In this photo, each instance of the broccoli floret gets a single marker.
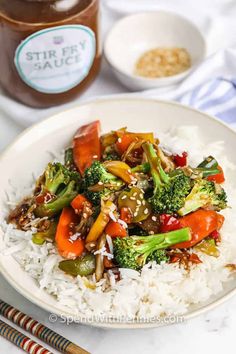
(159, 256)
(55, 189)
(111, 156)
(99, 184)
(204, 193)
(69, 160)
(169, 190)
(135, 251)
(143, 168)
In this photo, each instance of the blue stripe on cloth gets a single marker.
(228, 116)
(216, 93)
(223, 99)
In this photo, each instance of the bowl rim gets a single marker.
(158, 80)
(50, 308)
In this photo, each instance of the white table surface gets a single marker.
(212, 332)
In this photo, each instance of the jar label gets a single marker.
(56, 59)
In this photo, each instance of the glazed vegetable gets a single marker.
(55, 189)
(169, 191)
(115, 229)
(48, 235)
(208, 163)
(125, 139)
(211, 169)
(86, 146)
(111, 156)
(83, 266)
(99, 258)
(68, 247)
(135, 251)
(169, 223)
(99, 183)
(218, 177)
(134, 201)
(204, 194)
(144, 168)
(78, 203)
(69, 160)
(181, 160)
(208, 247)
(202, 223)
(101, 222)
(119, 169)
(126, 215)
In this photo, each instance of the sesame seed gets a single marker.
(132, 198)
(154, 218)
(124, 197)
(141, 196)
(100, 183)
(143, 202)
(135, 193)
(119, 140)
(95, 156)
(135, 214)
(146, 211)
(139, 202)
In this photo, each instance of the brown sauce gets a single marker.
(23, 18)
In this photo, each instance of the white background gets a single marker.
(213, 332)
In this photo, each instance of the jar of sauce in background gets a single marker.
(49, 49)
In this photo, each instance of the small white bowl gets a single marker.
(133, 35)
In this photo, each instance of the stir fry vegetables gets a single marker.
(55, 189)
(99, 184)
(86, 146)
(135, 251)
(169, 191)
(119, 201)
(204, 193)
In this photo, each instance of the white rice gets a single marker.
(158, 289)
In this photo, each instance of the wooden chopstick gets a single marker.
(40, 331)
(20, 340)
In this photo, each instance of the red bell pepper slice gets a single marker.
(181, 160)
(115, 229)
(126, 215)
(86, 146)
(78, 203)
(169, 223)
(219, 177)
(202, 223)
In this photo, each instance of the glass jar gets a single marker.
(49, 49)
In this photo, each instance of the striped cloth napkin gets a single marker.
(216, 97)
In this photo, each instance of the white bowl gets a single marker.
(133, 35)
(30, 153)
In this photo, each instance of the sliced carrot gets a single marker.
(124, 142)
(68, 249)
(86, 146)
(78, 203)
(115, 229)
